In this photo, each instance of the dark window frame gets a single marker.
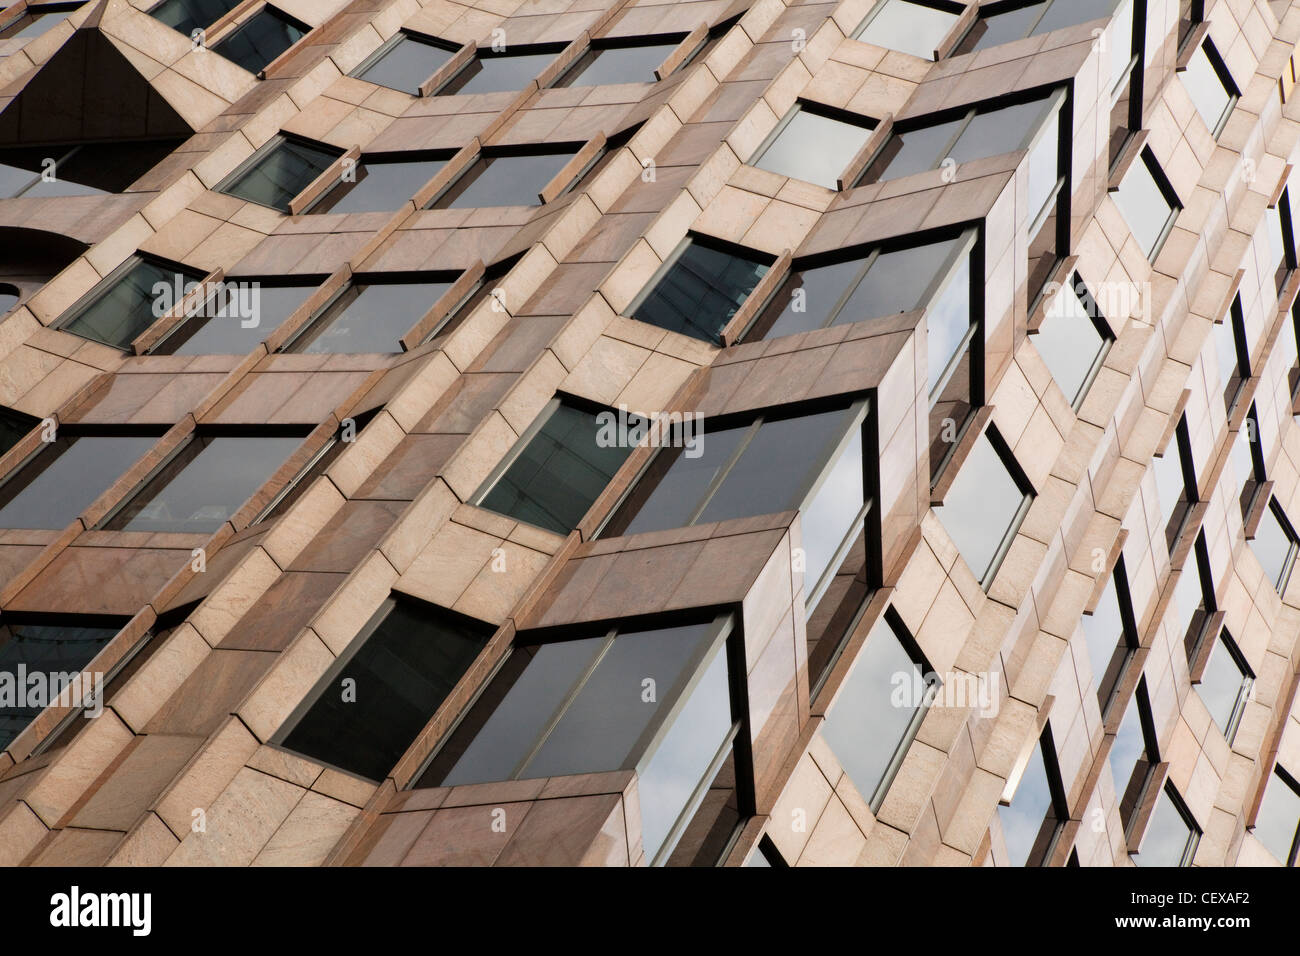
(105, 286)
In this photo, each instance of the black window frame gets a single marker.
(105, 286)
(265, 10)
(1285, 779)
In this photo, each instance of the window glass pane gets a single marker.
(1069, 343)
(621, 64)
(997, 131)
(190, 15)
(205, 484)
(1276, 249)
(262, 309)
(1222, 685)
(1205, 87)
(1023, 819)
(79, 169)
(131, 304)
(809, 299)
(873, 711)
(813, 148)
(281, 174)
(916, 150)
(399, 677)
(601, 726)
(1225, 347)
(14, 426)
(372, 317)
(677, 767)
(948, 321)
(488, 73)
(777, 468)
(679, 492)
(380, 186)
(911, 27)
(899, 280)
(829, 516)
(261, 39)
(50, 649)
(1121, 42)
(1144, 206)
(1128, 747)
(1067, 13)
(513, 711)
(1042, 167)
(504, 181)
(700, 292)
(1170, 483)
(1005, 26)
(1278, 818)
(33, 24)
(1102, 631)
(1166, 836)
(981, 506)
(406, 64)
(557, 476)
(63, 481)
(1243, 465)
(1188, 596)
(1274, 549)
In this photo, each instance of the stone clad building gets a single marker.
(619, 432)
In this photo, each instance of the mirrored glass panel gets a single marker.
(699, 290)
(279, 174)
(261, 38)
(1278, 821)
(66, 477)
(915, 28)
(1144, 205)
(1071, 341)
(1224, 685)
(406, 64)
(129, 302)
(1170, 838)
(1204, 80)
(239, 316)
(498, 72)
(371, 317)
(982, 508)
(509, 180)
(381, 185)
(620, 64)
(813, 147)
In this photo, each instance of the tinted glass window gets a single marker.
(700, 291)
(261, 39)
(237, 318)
(875, 710)
(1279, 817)
(947, 322)
(1223, 686)
(85, 169)
(559, 472)
(911, 27)
(1023, 819)
(406, 64)
(381, 185)
(981, 507)
(621, 64)
(63, 480)
(33, 24)
(204, 484)
(371, 317)
(1129, 746)
(813, 148)
(1167, 835)
(504, 181)
(1003, 27)
(130, 304)
(9, 296)
(367, 714)
(1205, 86)
(497, 73)
(14, 426)
(997, 131)
(190, 15)
(289, 168)
(1144, 206)
(1070, 343)
(58, 651)
(914, 150)
(1275, 547)
(1103, 629)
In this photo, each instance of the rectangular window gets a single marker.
(1176, 487)
(507, 71)
(1148, 204)
(811, 462)
(1171, 835)
(912, 27)
(56, 646)
(621, 61)
(1133, 754)
(1073, 340)
(1280, 229)
(985, 506)
(877, 712)
(1194, 600)
(1275, 544)
(1225, 684)
(37, 20)
(558, 468)
(261, 38)
(364, 713)
(279, 171)
(79, 169)
(14, 426)
(812, 145)
(1277, 825)
(1233, 352)
(1031, 819)
(1000, 23)
(129, 300)
(203, 483)
(1110, 633)
(380, 183)
(404, 62)
(371, 314)
(241, 313)
(1246, 453)
(59, 481)
(700, 286)
(187, 16)
(563, 707)
(1210, 86)
(506, 178)
(984, 130)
